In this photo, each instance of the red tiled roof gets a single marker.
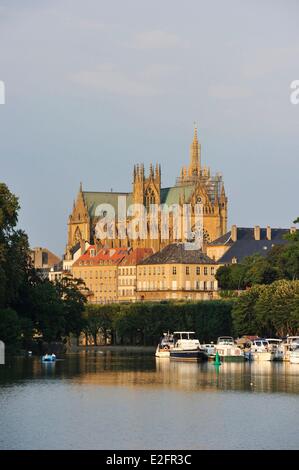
(136, 256)
(103, 256)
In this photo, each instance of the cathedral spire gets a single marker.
(194, 167)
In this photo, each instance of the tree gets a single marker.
(10, 331)
(72, 293)
(243, 312)
(99, 319)
(9, 206)
(47, 311)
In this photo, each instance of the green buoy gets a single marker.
(217, 361)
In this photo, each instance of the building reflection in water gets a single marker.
(144, 370)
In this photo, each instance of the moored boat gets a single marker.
(290, 344)
(187, 347)
(210, 350)
(261, 350)
(165, 345)
(275, 345)
(294, 356)
(228, 350)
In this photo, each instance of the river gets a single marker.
(112, 400)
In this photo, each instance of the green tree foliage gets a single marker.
(37, 307)
(282, 262)
(72, 292)
(99, 320)
(143, 323)
(271, 310)
(10, 329)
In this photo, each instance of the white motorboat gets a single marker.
(165, 345)
(261, 350)
(294, 356)
(290, 344)
(275, 345)
(228, 350)
(210, 350)
(186, 347)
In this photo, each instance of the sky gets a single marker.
(92, 87)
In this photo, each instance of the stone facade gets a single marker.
(127, 274)
(195, 185)
(177, 274)
(98, 270)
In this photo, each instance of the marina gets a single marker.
(182, 345)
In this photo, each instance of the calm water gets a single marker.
(134, 401)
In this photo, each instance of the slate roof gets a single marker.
(168, 196)
(247, 233)
(94, 199)
(176, 253)
(246, 245)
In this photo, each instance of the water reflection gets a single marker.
(144, 370)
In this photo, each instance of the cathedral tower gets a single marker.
(195, 150)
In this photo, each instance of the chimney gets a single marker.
(234, 233)
(257, 232)
(269, 234)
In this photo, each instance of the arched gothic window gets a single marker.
(149, 198)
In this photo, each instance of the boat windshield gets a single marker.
(184, 335)
(225, 340)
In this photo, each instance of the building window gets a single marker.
(212, 270)
(204, 285)
(174, 270)
(205, 270)
(197, 270)
(187, 270)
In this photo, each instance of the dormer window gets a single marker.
(92, 252)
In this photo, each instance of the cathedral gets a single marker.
(195, 185)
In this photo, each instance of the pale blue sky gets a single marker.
(94, 86)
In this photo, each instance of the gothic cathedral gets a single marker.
(195, 184)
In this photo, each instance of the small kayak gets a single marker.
(49, 358)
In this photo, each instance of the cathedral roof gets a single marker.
(172, 195)
(176, 253)
(94, 199)
(168, 196)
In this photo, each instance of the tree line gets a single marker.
(282, 262)
(29, 306)
(269, 303)
(144, 323)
